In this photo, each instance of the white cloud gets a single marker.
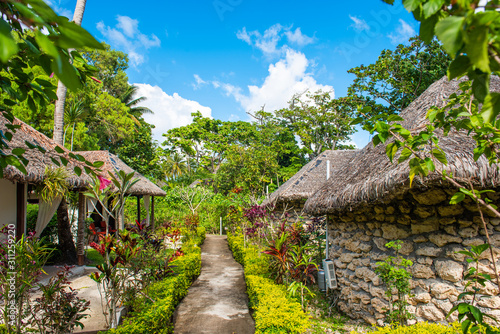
(298, 38)
(198, 82)
(403, 33)
(127, 37)
(359, 24)
(170, 111)
(269, 41)
(286, 77)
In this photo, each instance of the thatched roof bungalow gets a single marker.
(369, 202)
(14, 184)
(144, 188)
(295, 191)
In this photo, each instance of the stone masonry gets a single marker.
(433, 231)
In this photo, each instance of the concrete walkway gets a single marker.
(216, 302)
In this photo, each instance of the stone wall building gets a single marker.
(369, 202)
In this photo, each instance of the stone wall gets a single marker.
(433, 231)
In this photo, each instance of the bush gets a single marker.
(152, 314)
(419, 328)
(275, 312)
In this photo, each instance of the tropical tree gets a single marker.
(61, 87)
(175, 165)
(73, 115)
(398, 76)
(135, 111)
(321, 122)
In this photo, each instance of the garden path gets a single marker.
(217, 301)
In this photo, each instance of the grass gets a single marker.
(94, 256)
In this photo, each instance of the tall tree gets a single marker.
(321, 122)
(398, 76)
(61, 87)
(63, 224)
(132, 102)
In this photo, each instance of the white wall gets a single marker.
(8, 207)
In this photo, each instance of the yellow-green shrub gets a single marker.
(274, 312)
(419, 328)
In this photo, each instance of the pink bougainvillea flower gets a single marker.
(103, 183)
(51, 75)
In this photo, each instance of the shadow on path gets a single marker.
(216, 302)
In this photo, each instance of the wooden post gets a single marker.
(80, 237)
(153, 212)
(138, 209)
(21, 201)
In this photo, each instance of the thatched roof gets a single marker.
(310, 178)
(370, 177)
(112, 163)
(37, 160)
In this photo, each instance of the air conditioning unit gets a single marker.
(330, 277)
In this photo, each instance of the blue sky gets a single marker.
(229, 57)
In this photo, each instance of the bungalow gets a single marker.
(369, 202)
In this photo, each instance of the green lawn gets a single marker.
(94, 256)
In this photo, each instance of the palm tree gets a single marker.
(61, 88)
(73, 115)
(63, 225)
(135, 111)
(175, 166)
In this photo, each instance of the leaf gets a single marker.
(440, 155)
(64, 161)
(432, 6)
(394, 118)
(457, 198)
(481, 86)
(405, 154)
(55, 162)
(491, 107)
(458, 67)
(74, 36)
(18, 151)
(67, 74)
(477, 48)
(449, 32)
(46, 44)
(98, 164)
(77, 170)
(391, 150)
(427, 27)
(411, 5)
(9, 45)
(59, 149)
(478, 315)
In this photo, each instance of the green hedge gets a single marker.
(274, 312)
(155, 318)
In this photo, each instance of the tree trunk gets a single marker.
(66, 244)
(59, 114)
(79, 10)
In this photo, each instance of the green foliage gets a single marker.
(153, 310)
(398, 77)
(54, 184)
(274, 312)
(394, 273)
(321, 122)
(418, 328)
(26, 53)
(49, 233)
(471, 316)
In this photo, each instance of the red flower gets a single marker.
(103, 183)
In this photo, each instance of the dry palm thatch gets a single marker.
(37, 160)
(112, 163)
(310, 178)
(370, 177)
